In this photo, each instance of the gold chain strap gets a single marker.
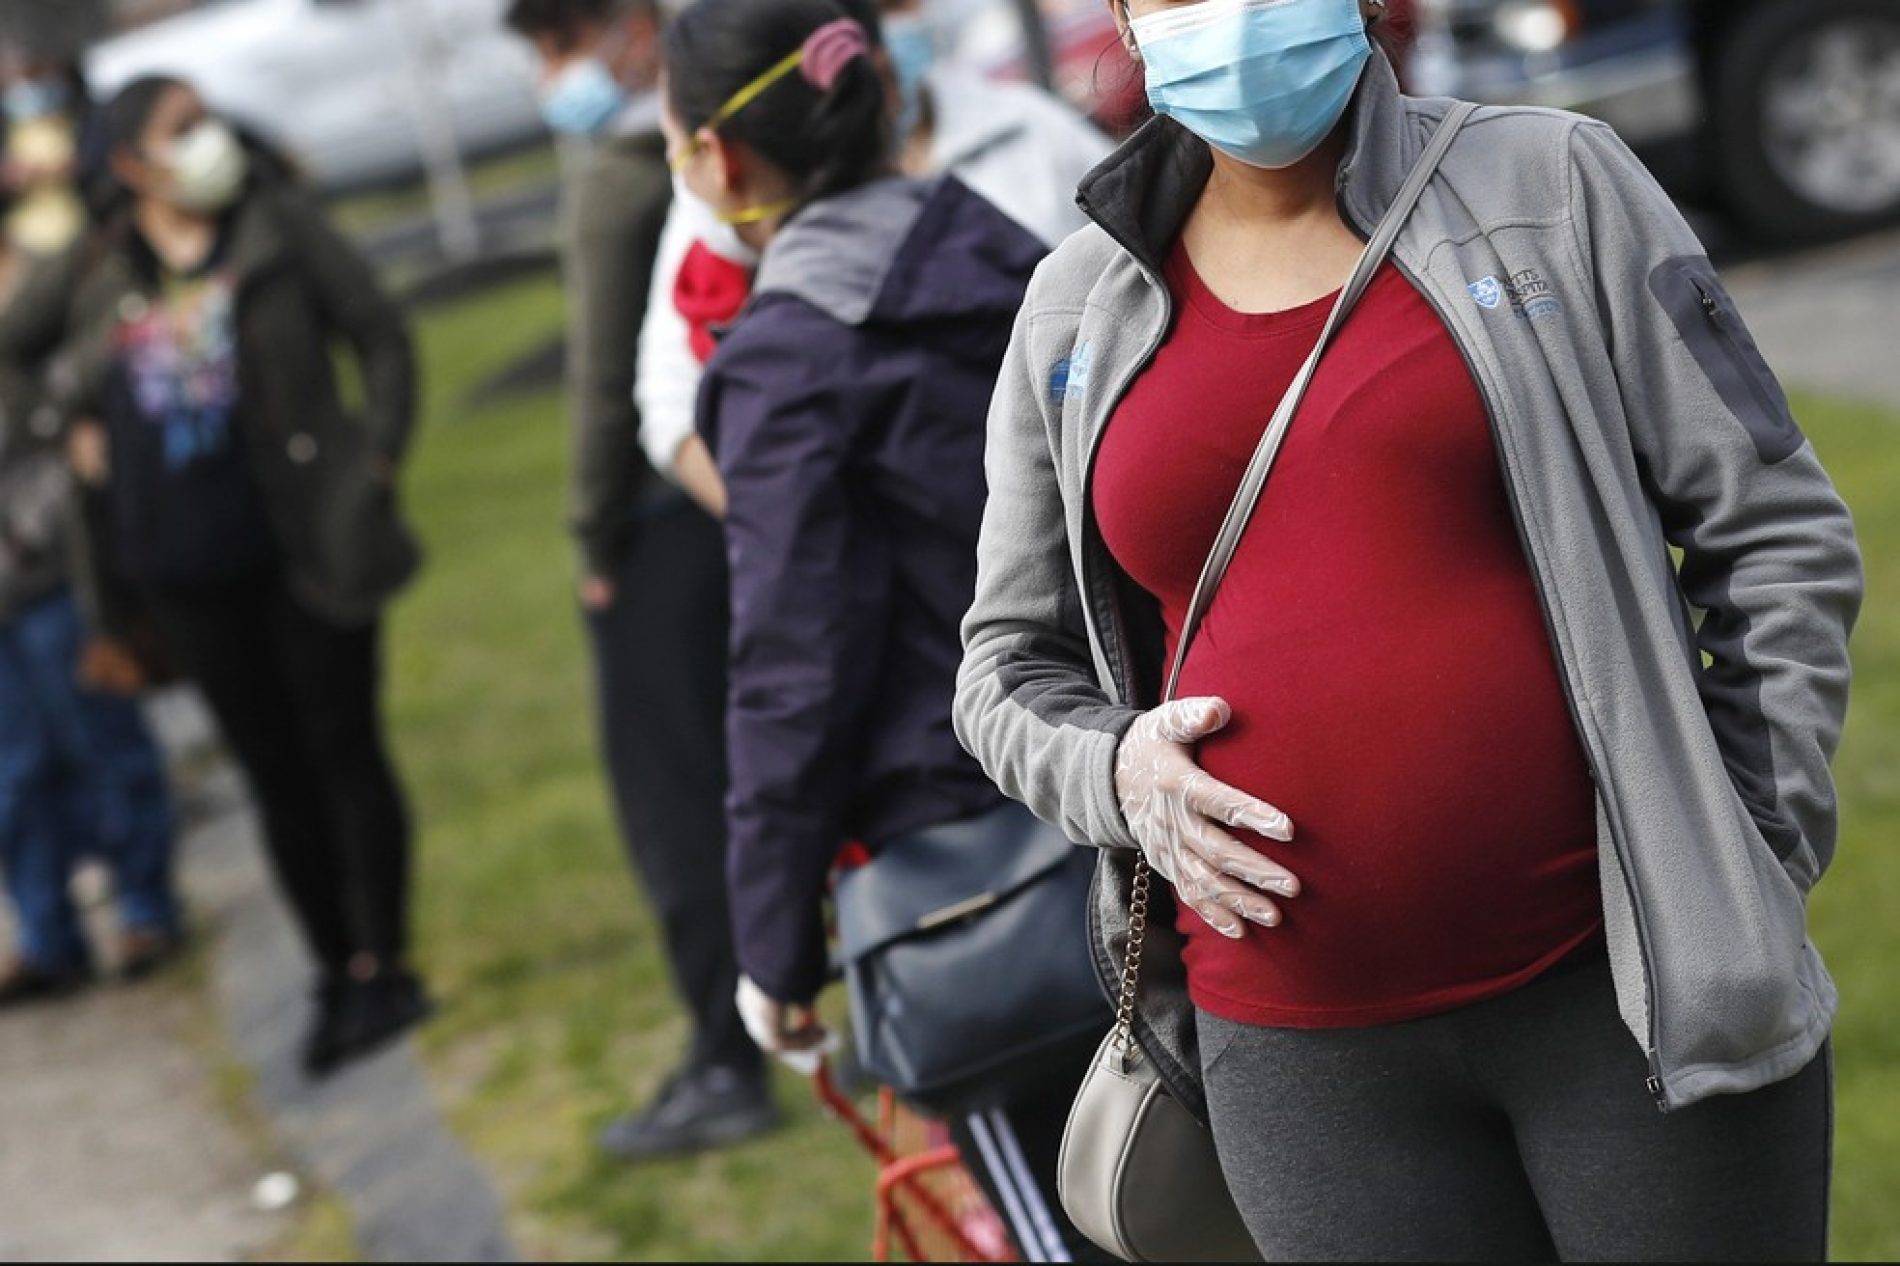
(1131, 962)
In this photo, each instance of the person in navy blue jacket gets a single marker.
(845, 409)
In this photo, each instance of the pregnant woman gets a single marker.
(1481, 849)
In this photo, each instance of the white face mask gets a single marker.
(709, 228)
(208, 166)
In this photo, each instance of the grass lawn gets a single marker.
(557, 1010)
(487, 177)
(1857, 908)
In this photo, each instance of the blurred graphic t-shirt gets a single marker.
(186, 502)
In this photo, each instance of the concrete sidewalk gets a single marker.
(115, 1143)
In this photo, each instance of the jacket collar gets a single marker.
(836, 253)
(257, 237)
(1141, 194)
(252, 242)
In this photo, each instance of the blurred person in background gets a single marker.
(80, 775)
(48, 147)
(652, 564)
(845, 412)
(247, 509)
(79, 772)
(1023, 149)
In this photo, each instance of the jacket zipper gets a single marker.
(1116, 649)
(1653, 1083)
(1718, 321)
(1090, 532)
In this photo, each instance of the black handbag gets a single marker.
(966, 954)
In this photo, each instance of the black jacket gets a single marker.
(320, 465)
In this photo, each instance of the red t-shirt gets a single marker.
(1380, 640)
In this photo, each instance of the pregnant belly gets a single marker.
(1443, 814)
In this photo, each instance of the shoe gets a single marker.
(695, 1110)
(142, 952)
(367, 1016)
(22, 982)
(319, 1048)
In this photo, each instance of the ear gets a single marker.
(729, 166)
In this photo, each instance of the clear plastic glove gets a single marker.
(792, 1032)
(1181, 816)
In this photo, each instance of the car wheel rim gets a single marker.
(1831, 116)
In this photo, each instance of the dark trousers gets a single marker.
(660, 690)
(1517, 1129)
(297, 701)
(79, 776)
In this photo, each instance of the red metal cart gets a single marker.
(928, 1207)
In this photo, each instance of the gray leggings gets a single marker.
(1515, 1129)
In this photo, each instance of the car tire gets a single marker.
(1798, 115)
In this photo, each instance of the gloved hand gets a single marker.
(1180, 815)
(792, 1032)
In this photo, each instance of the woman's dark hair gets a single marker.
(117, 125)
(121, 121)
(824, 142)
(563, 19)
(865, 14)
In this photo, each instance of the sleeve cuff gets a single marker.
(1109, 810)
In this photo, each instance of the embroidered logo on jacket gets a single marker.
(1529, 293)
(1071, 374)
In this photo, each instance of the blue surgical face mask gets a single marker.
(1264, 81)
(36, 98)
(583, 99)
(913, 49)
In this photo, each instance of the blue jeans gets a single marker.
(79, 776)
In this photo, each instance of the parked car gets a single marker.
(1788, 110)
(336, 82)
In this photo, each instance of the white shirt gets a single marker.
(1023, 149)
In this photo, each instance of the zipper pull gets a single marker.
(1656, 1092)
(1710, 308)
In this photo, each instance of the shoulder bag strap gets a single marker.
(1251, 484)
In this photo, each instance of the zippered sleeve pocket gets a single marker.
(1709, 325)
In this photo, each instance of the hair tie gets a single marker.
(829, 49)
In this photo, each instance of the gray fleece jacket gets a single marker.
(1631, 412)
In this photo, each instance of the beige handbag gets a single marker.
(1137, 1173)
